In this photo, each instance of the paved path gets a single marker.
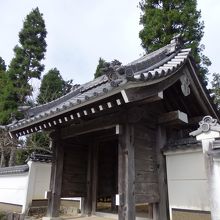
(88, 218)
(75, 218)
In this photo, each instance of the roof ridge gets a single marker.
(173, 46)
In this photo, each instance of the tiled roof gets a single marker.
(14, 169)
(143, 71)
(47, 158)
(182, 144)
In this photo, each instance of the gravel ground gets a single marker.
(74, 218)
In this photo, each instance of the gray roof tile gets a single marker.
(14, 169)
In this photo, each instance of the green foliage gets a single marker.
(26, 64)
(2, 65)
(21, 155)
(3, 216)
(163, 19)
(39, 141)
(28, 55)
(216, 88)
(8, 100)
(99, 68)
(53, 86)
(35, 143)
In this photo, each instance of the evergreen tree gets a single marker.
(8, 103)
(7, 107)
(26, 65)
(99, 68)
(29, 53)
(216, 88)
(53, 86)
(163, 19)
(2, 65)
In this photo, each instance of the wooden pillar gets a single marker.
(161, 209)
(90, 200)
(94, 178)
(126, 173)
(56, 176)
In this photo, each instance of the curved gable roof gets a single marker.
(147, 70)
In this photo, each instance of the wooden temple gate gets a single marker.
(107, 160)
(108, 134)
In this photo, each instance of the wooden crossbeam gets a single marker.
(174, 117)
(93, 125)
(141, 94)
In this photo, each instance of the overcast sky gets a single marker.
(79, 32)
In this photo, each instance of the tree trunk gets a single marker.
(2, 161)
(12, 158)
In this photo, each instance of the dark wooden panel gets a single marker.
(145, 165)
(107, 169)
(76, 178)
(75, 189)
(75, 193)
(146, 145)
(146, 178)
(145, 155)
(150, 197)
(141, 188)
(145, 133)
(75, 171)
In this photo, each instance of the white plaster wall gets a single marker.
(38, 182)
(187, 180)
(42, 180)
(21, 189)
(13, 188)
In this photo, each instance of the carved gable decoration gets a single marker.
(114, 71)
(206, 125)
(185, 82)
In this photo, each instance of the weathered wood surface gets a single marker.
(88, 197)
(95, 147)
(126, 173)
(174, 117)
(137, 94)
(107, 169)
(142, 176)
(146, 179)
(56, 181)
(132, 114)
(75, 171)
(97, 124)
(162, 210)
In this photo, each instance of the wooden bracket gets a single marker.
(139, 94)
(174, 117)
